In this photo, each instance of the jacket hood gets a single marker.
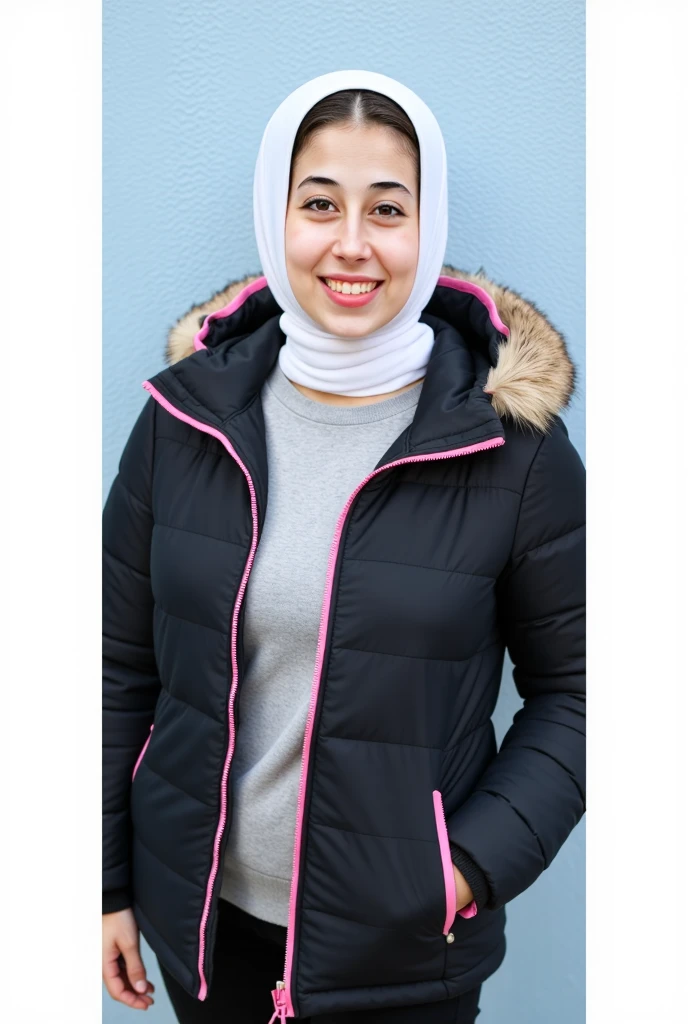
(532, 377)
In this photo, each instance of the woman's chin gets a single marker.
(346, 327)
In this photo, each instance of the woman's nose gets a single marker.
(351, 243)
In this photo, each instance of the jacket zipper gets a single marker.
(281, 994)
(445, 855)
(203, 990)
(471, 909)
(139, 759)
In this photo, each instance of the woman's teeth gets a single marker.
(346, 288)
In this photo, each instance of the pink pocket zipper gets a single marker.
(448, 867)
(143, 751)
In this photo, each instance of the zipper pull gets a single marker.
(279, 998)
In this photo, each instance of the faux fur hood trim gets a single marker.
(534, 379)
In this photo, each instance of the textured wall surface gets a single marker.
(188, 88)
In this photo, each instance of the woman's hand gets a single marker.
(123, 971)
(464, 893)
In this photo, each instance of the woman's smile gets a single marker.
(348, 293)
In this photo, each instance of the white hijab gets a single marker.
(398, 352)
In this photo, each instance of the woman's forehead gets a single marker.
(359, 158)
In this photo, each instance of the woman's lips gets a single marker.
(350, 300)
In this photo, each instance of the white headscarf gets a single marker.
(398, 352)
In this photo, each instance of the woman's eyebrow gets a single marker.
(380, 186)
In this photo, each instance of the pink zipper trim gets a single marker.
(203, 991)
(219, 314)
(139, 759)
(469, 449)
(449, 282)
(480, 293)
(447, 863)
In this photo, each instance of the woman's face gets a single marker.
(360, 220)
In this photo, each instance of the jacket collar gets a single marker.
(531, 376)
(495, 357)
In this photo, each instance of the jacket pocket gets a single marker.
(143, 751)
(447, 864)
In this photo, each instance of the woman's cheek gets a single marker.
(401, 257)
(303, 246)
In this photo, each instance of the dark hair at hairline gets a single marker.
(357, 107)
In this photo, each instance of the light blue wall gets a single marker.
(188, 88)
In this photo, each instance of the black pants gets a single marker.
(248, 960)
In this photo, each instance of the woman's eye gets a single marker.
(325, 201)
(388, 206)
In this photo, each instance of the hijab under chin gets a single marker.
(397, 353)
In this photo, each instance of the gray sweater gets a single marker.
(317, 455)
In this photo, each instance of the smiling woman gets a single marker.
(349, 494)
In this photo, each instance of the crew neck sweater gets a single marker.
(317, 455)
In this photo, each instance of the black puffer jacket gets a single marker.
(466, 537)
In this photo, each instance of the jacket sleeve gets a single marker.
(532, 793)
(130, 677)
(474, 876)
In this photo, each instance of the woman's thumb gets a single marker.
(136, 972)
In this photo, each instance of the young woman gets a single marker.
(349, 492)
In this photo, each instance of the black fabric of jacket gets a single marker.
(439, 563)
